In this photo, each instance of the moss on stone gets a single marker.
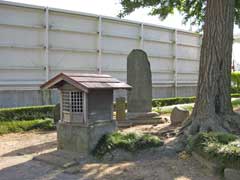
(130, 142)
(222, 148)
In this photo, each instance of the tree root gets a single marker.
(218, 123)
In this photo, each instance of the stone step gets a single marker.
(128, 123)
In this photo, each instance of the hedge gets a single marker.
(235, 95)
(172, 101)
(179, 100)
(41, 112)
(20, 126)
(26, 113)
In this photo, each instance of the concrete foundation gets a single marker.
(82, 138)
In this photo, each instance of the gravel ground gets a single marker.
(18, 150)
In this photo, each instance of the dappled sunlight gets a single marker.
(20, 148)
(99, 171)
(182, 178)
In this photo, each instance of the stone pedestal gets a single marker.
(141, 115)
(81, 138)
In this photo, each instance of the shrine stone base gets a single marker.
(81, 138)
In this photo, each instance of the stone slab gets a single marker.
(141, 115)
(57, 159)
(178, 115)
(149, 121)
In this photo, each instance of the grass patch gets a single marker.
(20, 126)
(26, 113)
(168, 109)
(221, 148)
(130, 142)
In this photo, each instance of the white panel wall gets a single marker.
(36, 43)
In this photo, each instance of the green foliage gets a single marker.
(222, 148)
(235, 78)
(235, 89)
(26, 113)
(129, 142)
(20, 126)
(192, 10)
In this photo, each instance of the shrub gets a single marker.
(129, 142)
(235, 89)
(26, 113)
(222, 148)
(20, 126)
(235, 78)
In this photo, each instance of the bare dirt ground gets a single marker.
(17, 152)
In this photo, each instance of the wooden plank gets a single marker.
(93, 79)
(99, 85)
(87, 75)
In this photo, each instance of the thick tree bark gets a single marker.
(213, 109)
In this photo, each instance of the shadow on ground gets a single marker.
(32, 149)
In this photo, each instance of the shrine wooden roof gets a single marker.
(85, 81)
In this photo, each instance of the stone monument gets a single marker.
(139, 76)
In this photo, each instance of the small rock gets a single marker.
(118, 155)
(231, 174)
(69, 164)
(178, 115)
(169, 152)
(73, 170)
(184, 155)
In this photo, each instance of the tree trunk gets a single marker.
(213, 109)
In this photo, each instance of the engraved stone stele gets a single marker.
(139, 76)
(120, 109)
